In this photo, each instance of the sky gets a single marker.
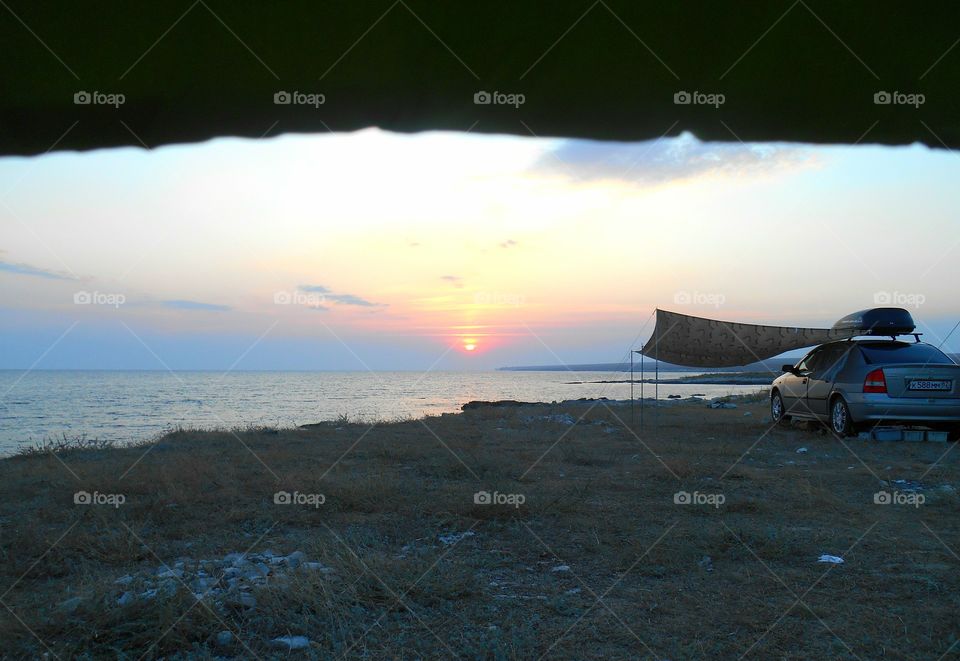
(373, 250)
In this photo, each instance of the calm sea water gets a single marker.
(131, 406)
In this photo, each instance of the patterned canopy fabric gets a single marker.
(699, 342)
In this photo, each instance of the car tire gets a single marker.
(778, 412)
(840, 421)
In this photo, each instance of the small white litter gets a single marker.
(559, 568)
(832, 559)
(801, 450)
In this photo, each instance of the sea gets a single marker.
(130, 406)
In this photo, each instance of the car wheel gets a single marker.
(840, 420)
(778, 412)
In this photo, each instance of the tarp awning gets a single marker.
(683, 339)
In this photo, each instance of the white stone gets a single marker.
(292, 642)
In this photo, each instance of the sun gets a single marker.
(469, 344)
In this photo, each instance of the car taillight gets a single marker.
(875, 382)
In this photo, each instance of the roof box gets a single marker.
(877, 321)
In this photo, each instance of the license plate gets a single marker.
(928, 384)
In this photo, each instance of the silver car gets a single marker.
(856, 384)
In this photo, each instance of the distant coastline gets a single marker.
(771, 365)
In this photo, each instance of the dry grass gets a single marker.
(599, 499)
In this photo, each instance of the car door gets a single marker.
(793, 388)
(822, 373)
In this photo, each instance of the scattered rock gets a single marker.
(224, 638)
(226, 582)
(721, 405)
(801, 450)
(747, 414)
(706, 562)
(561, 568)
(832, 559)
(291, 642)
(573, 591)
(453, 537)
(906, 486)
(295, 559)
(70, 605)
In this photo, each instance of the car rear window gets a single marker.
(904, 353)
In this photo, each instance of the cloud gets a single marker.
(26, 269)
(315, 289)
(509, 243)
(454, 280)
(667, 159)
(194, 305)
(350, 299)
(342, 299)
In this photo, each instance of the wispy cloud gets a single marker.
(509, 243)
(195, 305)
(664, 160)
(454, 280)
(350, 299)
(315, 289)
(20, 268)
(329, 296)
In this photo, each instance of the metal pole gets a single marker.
(641, 385)
(632, 416)
(656, 378)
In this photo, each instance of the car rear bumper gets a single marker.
(870, 406)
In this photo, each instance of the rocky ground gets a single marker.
(516, 531)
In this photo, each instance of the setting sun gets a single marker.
(469, 345)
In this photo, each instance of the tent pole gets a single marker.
(641, 386)
(656, 379)
(632, 416)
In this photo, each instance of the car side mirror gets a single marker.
(788, 368)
